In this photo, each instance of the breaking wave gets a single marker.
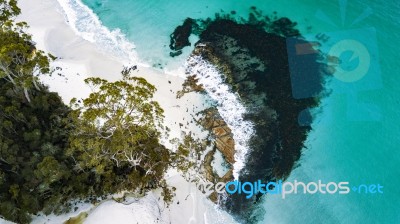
(88, 26)
(228, 105)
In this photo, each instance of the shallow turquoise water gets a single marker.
(341, 147)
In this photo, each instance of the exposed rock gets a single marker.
(190, 85)
(224, 142)
(213, 197)
(209, 173)
(212, 177)
(219, 131)
(226, 146)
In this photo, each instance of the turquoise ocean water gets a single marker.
(355, 137)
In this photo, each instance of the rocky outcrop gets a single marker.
(208, 169)
(190, 85)
(224, 142)
(252, 54)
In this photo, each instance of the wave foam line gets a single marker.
(228, 105)
(87, 25)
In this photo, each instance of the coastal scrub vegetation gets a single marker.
(52, 155)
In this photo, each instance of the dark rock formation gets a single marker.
(253, 56)
(180, 37)
(256, 66)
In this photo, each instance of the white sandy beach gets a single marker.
(79, 59)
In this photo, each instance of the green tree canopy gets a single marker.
(118, 126)
(8, 11)
(33, 167)
(50, 154)
(20, 62)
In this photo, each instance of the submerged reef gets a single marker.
(180, 37)
(252, 56)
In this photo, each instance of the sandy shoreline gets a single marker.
(80, 59)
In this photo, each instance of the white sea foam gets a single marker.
(87, 25)
(228, 105)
